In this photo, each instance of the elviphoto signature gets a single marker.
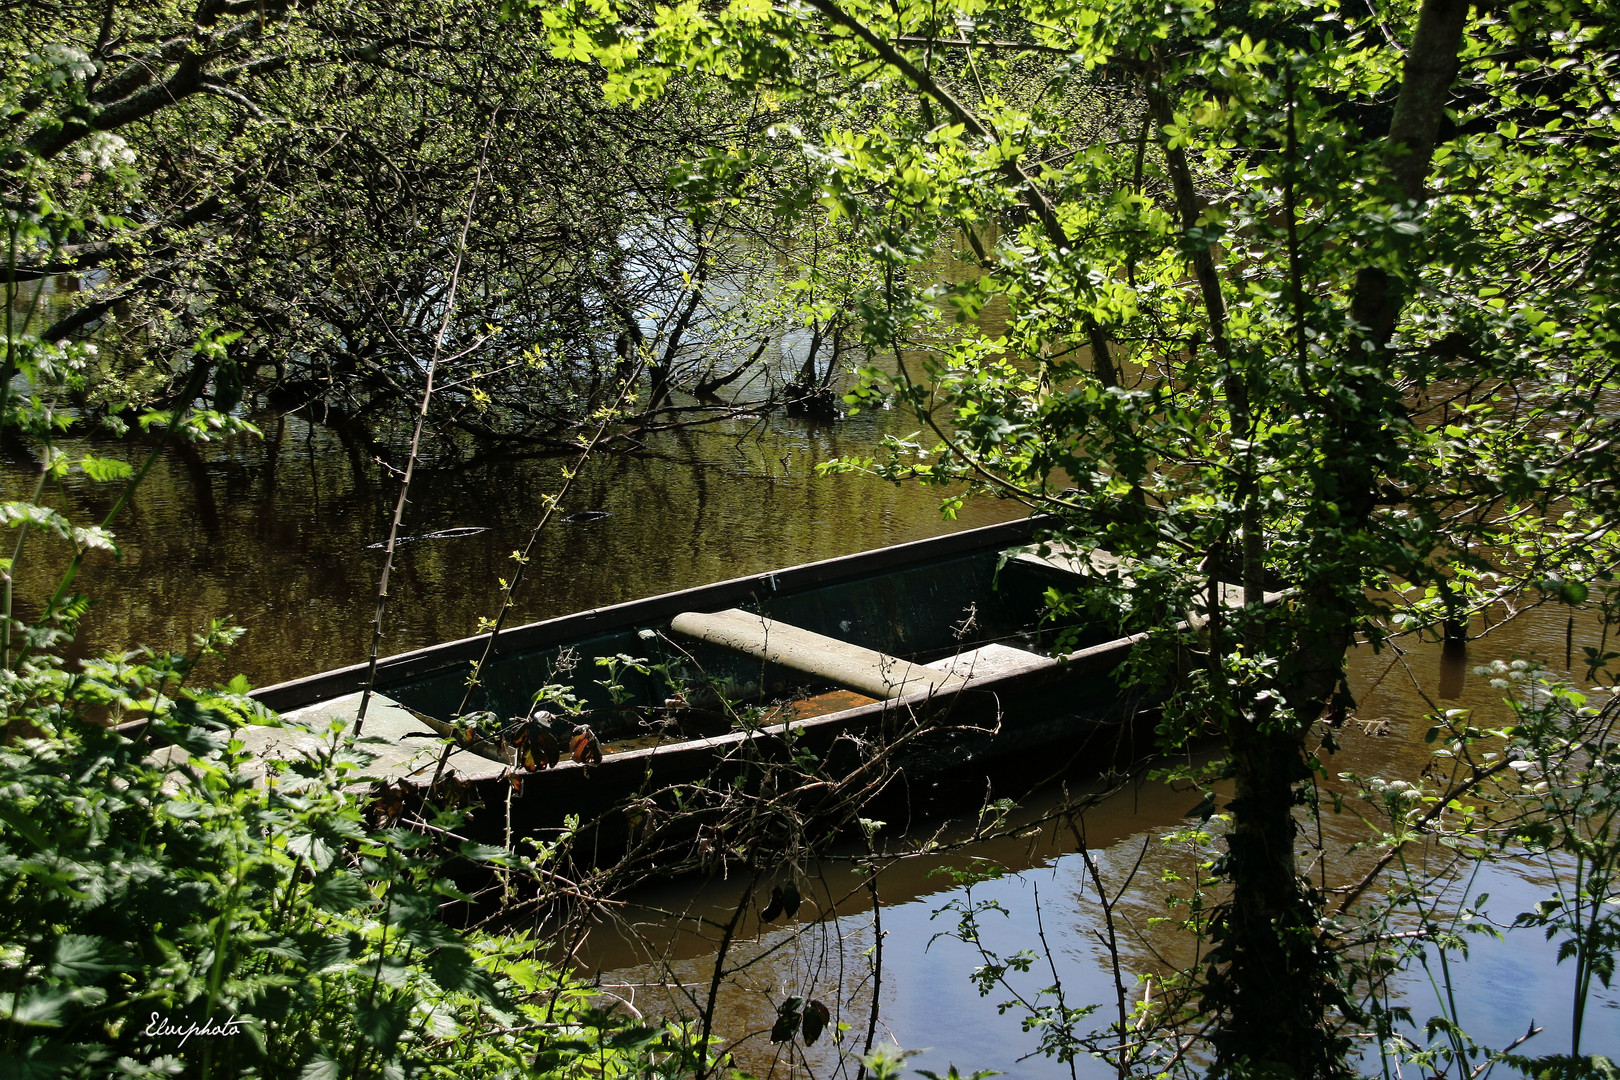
(160, 1026)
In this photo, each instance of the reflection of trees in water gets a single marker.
(275, 533)
(663, 948)
(659, 948)
(816, 958)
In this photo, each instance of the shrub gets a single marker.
(194, 913)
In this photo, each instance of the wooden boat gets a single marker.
(950, 632)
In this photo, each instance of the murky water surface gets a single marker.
(1048, 902)
(278, 536)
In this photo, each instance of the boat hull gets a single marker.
(962, 603)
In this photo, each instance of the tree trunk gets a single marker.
(1274, 980)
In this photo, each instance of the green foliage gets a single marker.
(1546, 788)
(886, 1063)
(1292, 297)
(1475, 467)
(148, 893)
(953, 1074)
(1046, 1010)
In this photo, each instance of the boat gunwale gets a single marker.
(1080, 662)
(326, 685)
(638, 761)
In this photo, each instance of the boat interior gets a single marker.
(965, 615)
(788, 653)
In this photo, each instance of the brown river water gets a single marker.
(276, 534)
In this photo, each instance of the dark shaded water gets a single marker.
(276, 535)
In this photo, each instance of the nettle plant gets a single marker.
(194, 912)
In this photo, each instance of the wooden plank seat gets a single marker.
(838, 662)
(992, 660)
(1064, 556)
(402, 746)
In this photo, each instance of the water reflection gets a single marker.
(1453, 669)
(926, 997)
(277, 534)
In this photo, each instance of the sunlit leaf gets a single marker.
(584, 748)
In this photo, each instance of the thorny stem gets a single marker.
(1095, 873)
(416, 440)
(551, 504)
(1057, 982)
(716, 978)
(877, 966)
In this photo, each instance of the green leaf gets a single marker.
(321, 1068)
(383, 1022)
(84, 959)
(104, 469)
(485, 853)
(816, 1018)
(405, 905)
(340, 892)
(36, 1008)
(334, 949)
(287, 947)
(94, 538)
(634, 1039)
(787, 1020)
(393, 970)
(454, 970)
(25, 828)
(429, 933)
(41, 1061)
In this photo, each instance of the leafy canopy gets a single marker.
(1282, 294)
(1238, 309)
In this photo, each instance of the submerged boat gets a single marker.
(950, 634)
